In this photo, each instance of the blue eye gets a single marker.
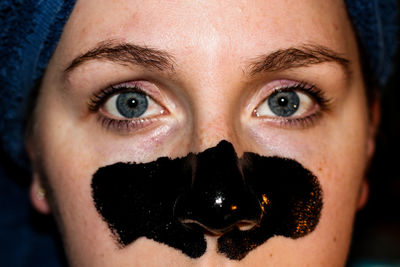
(284, 104)
(132, 104)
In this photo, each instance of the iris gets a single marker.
(132, 104)
(284, 103)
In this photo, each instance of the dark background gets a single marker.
(377, 228)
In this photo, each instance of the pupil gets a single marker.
(282, 101)
(132, 103)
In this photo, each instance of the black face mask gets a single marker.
(177, 201)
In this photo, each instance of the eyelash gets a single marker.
(124, 125)
(101, 97)
(318, 96)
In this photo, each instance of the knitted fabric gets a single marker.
(30, 30)
(376, 23)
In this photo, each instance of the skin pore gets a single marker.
(208, 69)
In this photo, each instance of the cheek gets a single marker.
(67, 164)
(341, 166)
(69, 153)
(68, 173)
(336, 152)
(346, 157)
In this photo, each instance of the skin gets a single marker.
(209, 96)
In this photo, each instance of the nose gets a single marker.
(218, 199)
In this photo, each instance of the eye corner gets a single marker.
(126, 105)
(97, 100)
(292, 105)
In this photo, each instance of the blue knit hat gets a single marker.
(29, 33)
(376, 24)
(30, 30)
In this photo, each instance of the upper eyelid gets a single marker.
(317, 94)
(281, 85)
(296, 87)
(100, 97)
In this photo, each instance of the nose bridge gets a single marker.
(214, 120)
(214, 90)
(210, 128)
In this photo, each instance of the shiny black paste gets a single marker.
(175, 202)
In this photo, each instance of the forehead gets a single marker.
(211, 30)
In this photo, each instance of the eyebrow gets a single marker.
(279, 60)
(295, 57)
(124, 53)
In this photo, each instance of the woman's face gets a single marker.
(276, 78)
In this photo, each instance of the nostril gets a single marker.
(218, 212)
(218, 199)
(246, 225)
(242, 226)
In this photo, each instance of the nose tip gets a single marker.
(218, 211)
(218, 199)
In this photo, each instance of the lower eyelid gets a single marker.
(292, 123)
(125, 126)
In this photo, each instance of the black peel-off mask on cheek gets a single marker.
(175, 202)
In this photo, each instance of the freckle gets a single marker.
(334, 239)
(84, 30)
(270, 255)
(320, 169)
